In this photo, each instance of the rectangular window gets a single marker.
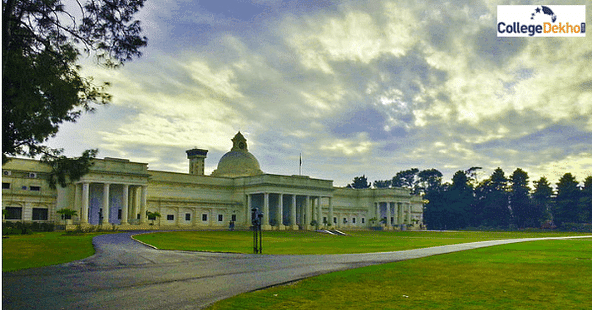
(5, 185)
(220, 217)
(353, 220)
(170, 217)
(39, 214)
(363, 220)
(119, 214)
(35, 188)
(344, 220)
(233, 217)
(188, 216)
(324, 219)
(334, 220)
(13, 213)
(204, 217)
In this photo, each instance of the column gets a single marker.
(265, 222)
(293, 213)
(77, 198)
(377, 207)
(249, 214)
(390, 215)
(124, 208)
(132, 217)
(330, 216)
(280, 212)
(399, 213)
(307, 217)
(319, 211)
(408, 213)
(106, 203)
(143, 219)
(85, 196)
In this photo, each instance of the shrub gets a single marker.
(21, 228)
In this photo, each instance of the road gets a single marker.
(125, 274)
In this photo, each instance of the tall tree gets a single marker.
(472, 174)
(586, 199)
(428, 180)
(542, 198)
(359, 183)
(525, 214)
(459, 198)
(406, 178)
(492, 207)
(567, 207)
(41, 80)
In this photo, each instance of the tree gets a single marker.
(406, 179)
(491, 202)
(525, 213)
(567, 207)
(430, 184)
(42, 85)
(472, 175)
(67, 213)
(359, 182)
(382, 184)
(152, 216)
(542, 198)
(459, 198)
(428, 180)
(586, 199)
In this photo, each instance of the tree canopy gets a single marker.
(359, 182)
(42, 41)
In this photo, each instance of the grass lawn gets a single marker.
(553, 274)
(43, 249)
(306, 242)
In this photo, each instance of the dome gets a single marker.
(239, 162)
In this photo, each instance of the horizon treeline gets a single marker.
(499, 201)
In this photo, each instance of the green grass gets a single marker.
(43, 249)
(553, 274)
(303, 242)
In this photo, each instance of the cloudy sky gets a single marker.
(357, 87)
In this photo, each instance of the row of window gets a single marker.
(16, 213)
(344, 220)
(6, 185)
(204, 217)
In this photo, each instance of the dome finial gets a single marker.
(239, 143)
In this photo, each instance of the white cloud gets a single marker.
(440, 86)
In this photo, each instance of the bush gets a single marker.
(21, 228)
(578, 227)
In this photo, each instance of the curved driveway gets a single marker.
(125, 274)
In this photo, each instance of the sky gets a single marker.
(357, 87)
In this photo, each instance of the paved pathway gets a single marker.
(125, 274)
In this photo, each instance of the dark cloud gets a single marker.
(494, 50)
(367, 120)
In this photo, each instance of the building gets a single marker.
(121, 193)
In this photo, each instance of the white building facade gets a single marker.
(118, 193)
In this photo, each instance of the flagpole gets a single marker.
(300, 166)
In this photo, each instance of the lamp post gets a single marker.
(256, 216)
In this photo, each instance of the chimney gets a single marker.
(197, 158)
